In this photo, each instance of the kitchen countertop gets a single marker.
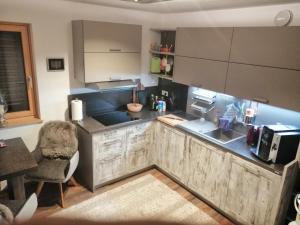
(93, 126)
(238, 147)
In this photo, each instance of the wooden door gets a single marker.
(206, 170)
(251, 194)
(267, 46)
(279, 87)
(206, 43)
(139, 141)
(202, 73)
(111, 37)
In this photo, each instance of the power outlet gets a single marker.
(164, 93)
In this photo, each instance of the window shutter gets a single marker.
(12, 71)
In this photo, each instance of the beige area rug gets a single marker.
(145, 198)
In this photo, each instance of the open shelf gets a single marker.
(163, 76)
(162, 53)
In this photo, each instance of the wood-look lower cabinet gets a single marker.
(244, 191)
(170, 150)
(139, 146)
(115, 153)
(109, 155)
(207, 74)
(206, 170)
(251, 193)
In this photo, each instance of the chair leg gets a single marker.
(61, 195)
(73, 182)
(39, 188)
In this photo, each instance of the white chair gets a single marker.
(20, 210)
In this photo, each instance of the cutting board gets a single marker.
(171, 119)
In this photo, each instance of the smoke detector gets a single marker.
(146, 1)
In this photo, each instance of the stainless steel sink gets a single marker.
(224, 136)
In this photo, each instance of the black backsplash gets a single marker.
(178, 92)
(111, 100)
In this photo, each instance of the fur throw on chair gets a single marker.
(58, 139)
(6, 216)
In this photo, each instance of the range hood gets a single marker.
(119, 84)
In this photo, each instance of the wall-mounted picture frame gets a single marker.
(55, 64)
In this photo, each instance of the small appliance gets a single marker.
(278, 143)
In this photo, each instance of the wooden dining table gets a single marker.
(15, 162)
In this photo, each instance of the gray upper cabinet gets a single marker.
(267, 46)
(206, 43)
(279, 87)
(106, 51)
(111, 37)
(202, 73)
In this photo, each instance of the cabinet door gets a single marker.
(108, 169)
(109, 144)
(206, 170)
(139, 141)
(171, 151)
(279, 87)
(200, 73)
(251, 193)
(205, 43)
(111, 37)
(111, 66)
(267, 46)
(108, 155)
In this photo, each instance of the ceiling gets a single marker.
(177, 6)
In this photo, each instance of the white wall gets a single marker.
(51, 33)
(52, 37)
(251, 16)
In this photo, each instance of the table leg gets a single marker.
(16, 188)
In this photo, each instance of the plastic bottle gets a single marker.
(152, 102)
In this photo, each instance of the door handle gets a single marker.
(29, 81)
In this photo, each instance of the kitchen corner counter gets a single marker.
(238, 147)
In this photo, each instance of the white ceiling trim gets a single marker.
(179, 6)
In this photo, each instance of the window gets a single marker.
(16, 73)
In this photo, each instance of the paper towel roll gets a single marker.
(76, 107)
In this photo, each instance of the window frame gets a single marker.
(32, 114)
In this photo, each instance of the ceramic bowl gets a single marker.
(134, 107)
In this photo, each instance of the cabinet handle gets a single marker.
(261, 100)
(29, 81)
(115, 50)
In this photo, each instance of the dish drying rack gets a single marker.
(203, 101)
